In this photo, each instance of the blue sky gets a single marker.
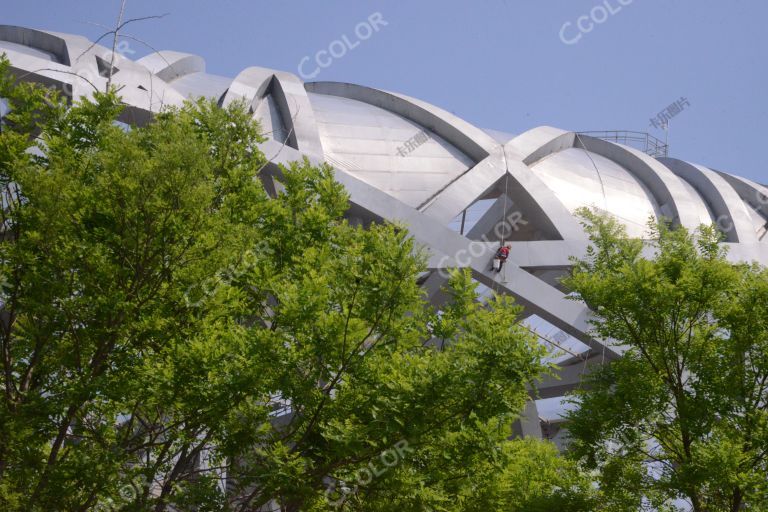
(499, 64)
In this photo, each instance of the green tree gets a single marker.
(683, 413)
(173, 337)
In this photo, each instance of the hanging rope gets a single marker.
(494, 284)
(504, 222)
(504, 215)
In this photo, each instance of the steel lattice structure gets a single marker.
(404, 160)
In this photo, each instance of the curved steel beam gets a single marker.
(731, 215)
(253, 84)
(674, 199)
(472, 141)
(752, 193)
(49, 42)
(169, 65)
(533, 145)
(449, 249)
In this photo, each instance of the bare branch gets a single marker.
(102, 36)
(114, 44)
(57, 71)
(142, 18)
(117, 29)
(138, 40)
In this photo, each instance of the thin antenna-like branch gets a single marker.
(105, 34)
(20, 77)
(116, 36)
(151, 91)
(114, 43)
(134, 38)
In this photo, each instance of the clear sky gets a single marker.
(500, 64)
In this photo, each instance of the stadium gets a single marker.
(461, 190)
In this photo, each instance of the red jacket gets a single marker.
(502, 253)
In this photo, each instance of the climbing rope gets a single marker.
(504, 215)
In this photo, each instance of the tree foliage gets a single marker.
(682, 415)
(175, 338)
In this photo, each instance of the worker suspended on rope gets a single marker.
(501, 256)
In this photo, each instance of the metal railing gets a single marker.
(643, 141)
